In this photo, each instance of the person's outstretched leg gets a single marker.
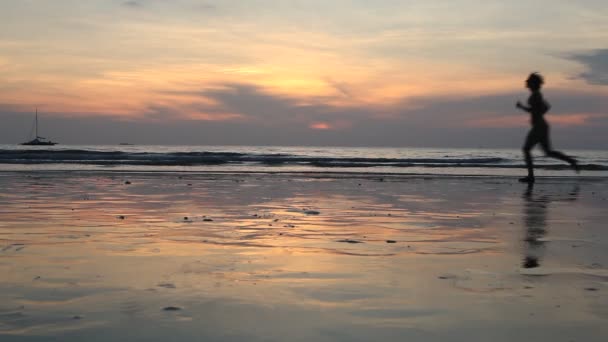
(545, 143)
(561, 156)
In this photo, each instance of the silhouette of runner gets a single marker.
(539, 134)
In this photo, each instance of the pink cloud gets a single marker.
(320, 126)
(334, 125)
(216, 116)
(575, 119)
(499, 121)
(581, 119)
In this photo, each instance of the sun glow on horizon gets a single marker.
(320, 126)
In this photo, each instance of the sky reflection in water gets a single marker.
(277, 257)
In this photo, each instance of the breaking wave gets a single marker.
(113, 158)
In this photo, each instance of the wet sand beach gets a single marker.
(119, 256)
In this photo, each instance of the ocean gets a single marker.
(364, 160)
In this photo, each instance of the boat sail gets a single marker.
(38, 140)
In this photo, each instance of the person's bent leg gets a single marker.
(529, 165)
(528, 145)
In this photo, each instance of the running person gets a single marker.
(539, 134)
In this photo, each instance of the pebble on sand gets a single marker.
(446, 276)
(350, 241)
(171, 308)
(311, 212)
(207, 220)
(127, 182)
(391, 241)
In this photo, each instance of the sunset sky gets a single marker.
(353, 73)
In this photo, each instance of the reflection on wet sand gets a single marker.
(285, 257)
(536, 207)
(535, 218)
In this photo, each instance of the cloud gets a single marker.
(498, 110)
(261, 107)
(186, 112)
(596, 64)
(187, 5)
(246, 114)
(498, 121)
(582, 119)
(566, 120)
(341, 87)
(132, 4)
(320, 125)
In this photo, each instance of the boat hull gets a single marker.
(38, 143)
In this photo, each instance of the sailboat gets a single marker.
(38, 140)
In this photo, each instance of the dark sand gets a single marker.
(169, 257)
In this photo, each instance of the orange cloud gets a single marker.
(215, 116)
(132, 70)
(313, 67)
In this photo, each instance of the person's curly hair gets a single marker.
(535, 79)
